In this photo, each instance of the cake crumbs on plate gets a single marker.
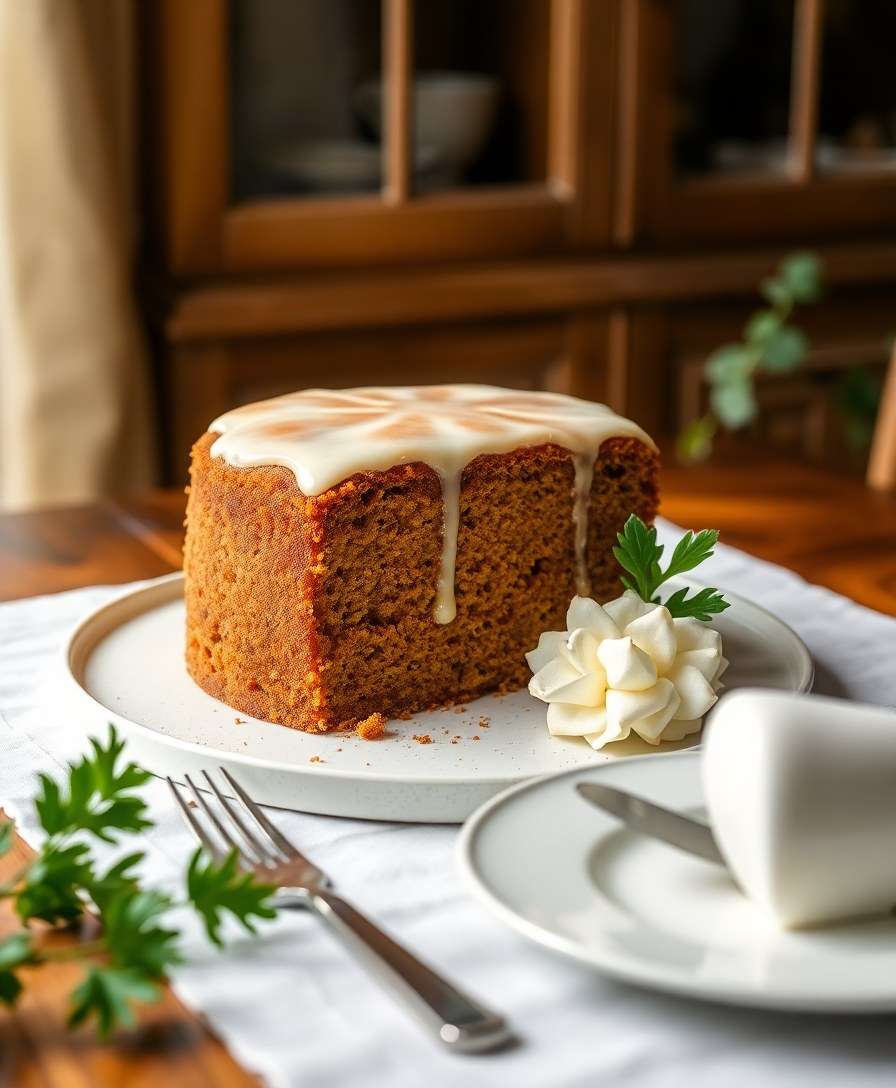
(372, 728)
(474, 738)
(316, 759)
(422, 738)
(485, 721)
(460, 709)
(239, 721)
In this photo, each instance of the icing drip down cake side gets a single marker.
(388, 550)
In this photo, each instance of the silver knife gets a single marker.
(649, 819)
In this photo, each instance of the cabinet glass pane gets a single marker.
(480, 92)
(297, 127)
(731, 102)
(857, 110)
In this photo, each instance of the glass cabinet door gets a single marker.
(723, 122)
(480, 93)
(310, 97)
(345, 133)
(755, 119)
(857, 111)
(295, 73)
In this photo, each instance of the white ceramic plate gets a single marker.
(125, 664)
(567, 876)
(340, 165)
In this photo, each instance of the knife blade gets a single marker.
(647, 818)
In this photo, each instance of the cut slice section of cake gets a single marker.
(389, 550)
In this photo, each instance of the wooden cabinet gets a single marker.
(525, 192)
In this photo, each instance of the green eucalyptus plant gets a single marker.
(770, 345)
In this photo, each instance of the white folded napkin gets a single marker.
(298, 1010)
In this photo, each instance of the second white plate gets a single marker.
(125, 664)
(572, 878)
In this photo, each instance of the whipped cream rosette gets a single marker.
(627, 666)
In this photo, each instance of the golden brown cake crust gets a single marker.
(318, 612)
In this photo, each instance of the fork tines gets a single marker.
(233, 824)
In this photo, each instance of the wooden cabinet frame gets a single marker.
(201, 231)
(656, 205)
(577, 278)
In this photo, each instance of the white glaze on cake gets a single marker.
(325, 436)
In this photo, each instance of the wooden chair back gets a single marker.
(882, 463)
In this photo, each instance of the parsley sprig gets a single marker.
(639, 554)
(137, 943)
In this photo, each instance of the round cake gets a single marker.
(383, 551)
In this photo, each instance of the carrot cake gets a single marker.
(386, 550)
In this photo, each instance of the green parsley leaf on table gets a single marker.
(15, 951)
(639, 554)
(218, 887)
(109, 994)
(52, 883)
(134, 936)
(98, 799)
(120, 879)
(129, 958)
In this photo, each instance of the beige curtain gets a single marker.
(74, 405)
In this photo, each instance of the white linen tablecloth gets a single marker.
(295, 1008)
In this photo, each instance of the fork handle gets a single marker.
(457, 1020)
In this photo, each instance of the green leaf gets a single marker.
(639, 554)
(691, 551)
(108, 994)
(802, 273)
(116, 881)
(701, 606)
(15, 951)
(777, 292)
(52, 884)
(762, 327)
(858, 400)
(695, 441)
(136, 948)
(218, 887)
(48, 804)
(134, 937)
(96, 799)
(785, 350)
(107, 778)
(7, 831)
(730, 363)
(734, 403)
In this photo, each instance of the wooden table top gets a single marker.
(829, 528)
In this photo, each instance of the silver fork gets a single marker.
(455, 1019)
